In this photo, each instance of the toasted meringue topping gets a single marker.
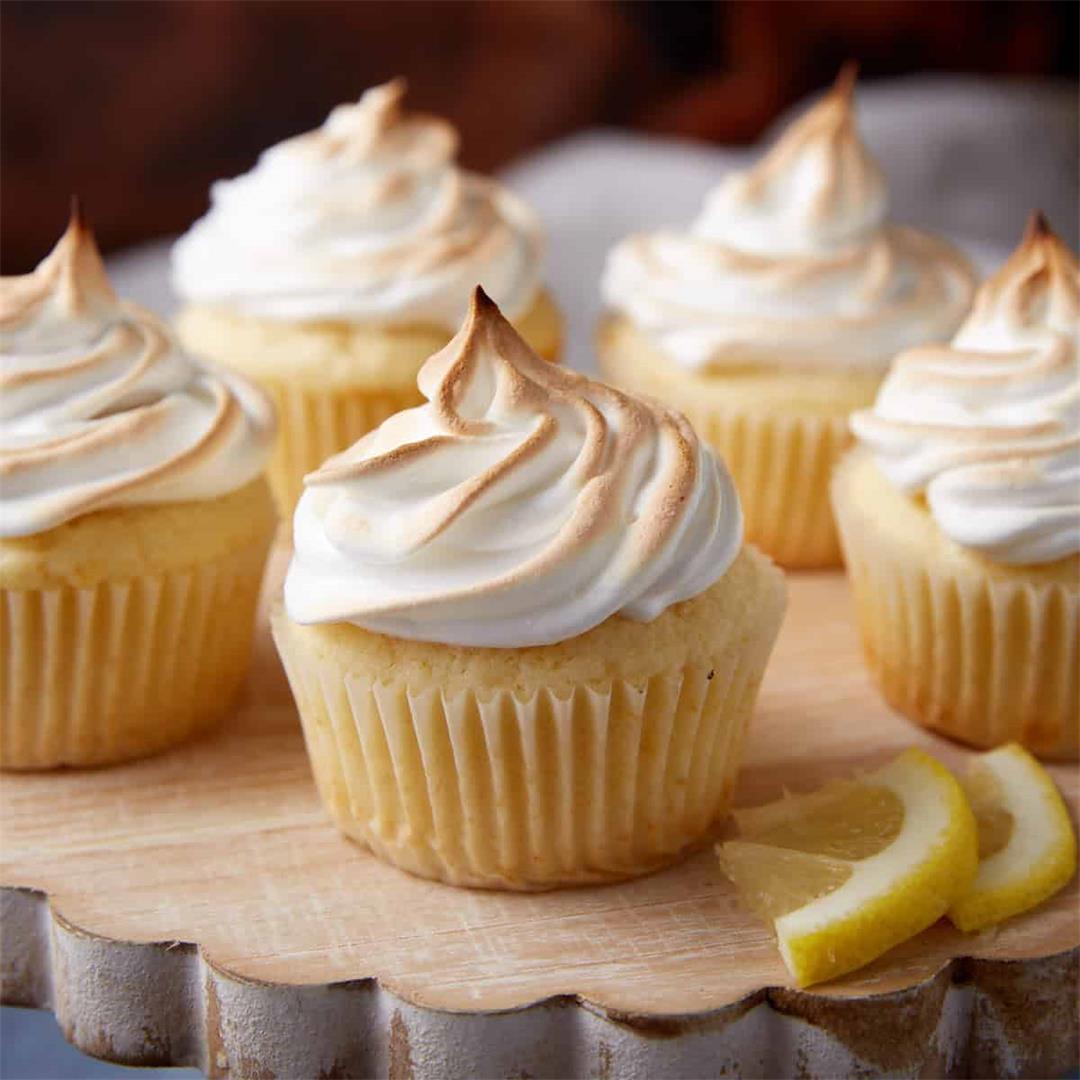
(793, 262)
(367, 219)
(98, 406)
(522, 505)
(989, 427)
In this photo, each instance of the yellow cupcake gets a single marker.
(776, 315)
(981, 652)
(134, 523)
(521, 630)
(333, 269)
(961, 529)
(593, 759)
(128, 630)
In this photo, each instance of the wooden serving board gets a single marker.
(276, 947)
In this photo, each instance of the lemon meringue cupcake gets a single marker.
(333, 269)
(134, 522)
(776, 316)
(521, 627)
(960, 515)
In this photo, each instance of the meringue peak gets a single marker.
(99, 408)
(988, 427)
(377, 127)
(846, 78)
(818, 187)
(1037, 226)
(523, 504)
(792, 261)
(487, 338)
(384, 103)
(376, 111)
(1037, 289)
(368, 218)
(70, 280)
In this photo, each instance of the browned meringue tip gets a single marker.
(483, 317)
(481, 302)
(73, 271)
(1041, 259)
(846, 77)
(78, 251)
(1037, 227)
(388, 101)
(393, 93)
(1039, 234)
(78, 229)
(483, 312)
(76, 220)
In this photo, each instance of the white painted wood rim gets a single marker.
(163, 1003)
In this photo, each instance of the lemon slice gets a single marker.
(1027, 848)
(847, 872)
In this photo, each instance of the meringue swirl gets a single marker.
(988, 428)
(98, 406)
(366, 219)
(793, 262)
(523, 504)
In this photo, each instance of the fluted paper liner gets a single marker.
(315, 423)
(123, 669)
(981, 660)
(781, 464)
(502, 789)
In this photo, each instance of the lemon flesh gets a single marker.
(849, 871)
(1027, 847)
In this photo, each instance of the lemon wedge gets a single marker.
(1027, 847)
(845, 873)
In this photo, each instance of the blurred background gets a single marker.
(139, 106)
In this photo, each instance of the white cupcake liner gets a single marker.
(124, 668)
(505, 790)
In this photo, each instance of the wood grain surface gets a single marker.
(224, 844)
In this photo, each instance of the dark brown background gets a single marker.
(138, 106)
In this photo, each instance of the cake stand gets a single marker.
(198, 909)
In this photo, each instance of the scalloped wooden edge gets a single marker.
(165, 1003)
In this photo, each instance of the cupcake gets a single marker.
(960, 515)
(330, 272)
(521, 626)
(776, 316)
(134, 522)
